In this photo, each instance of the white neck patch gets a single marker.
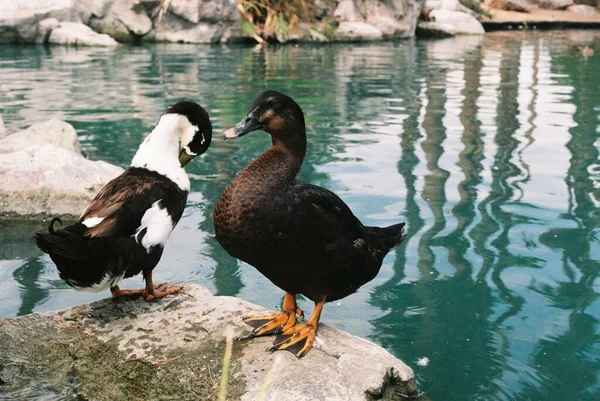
(160, 150)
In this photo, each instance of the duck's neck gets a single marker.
(293, 146)
(160, 151)
(278, 165)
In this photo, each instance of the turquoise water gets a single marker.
(487, 147)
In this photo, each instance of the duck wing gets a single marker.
(326, 210)
(138, 202)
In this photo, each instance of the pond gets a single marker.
(487, 147)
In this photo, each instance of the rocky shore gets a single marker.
(110, 22)
(193, 21)
(173, 348)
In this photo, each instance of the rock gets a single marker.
(45, 27)
(464, 24)
(357, 31)
(19, 18)
(374, 19)
(200, 33)
(199, 22)
(2, 128)
(44, 172)
(427, 29)
(77, 34)
(512, 5)
(53, 132)
(132, 349)
(449, 5)
(582, 9)
(554, 4)
(123, 20)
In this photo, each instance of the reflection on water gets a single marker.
(487, 147)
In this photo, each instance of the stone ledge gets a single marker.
(173, 347)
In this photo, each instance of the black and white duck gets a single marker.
(302, 237)
(123, 231)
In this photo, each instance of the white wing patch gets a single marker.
(92, 221)
(156, 227)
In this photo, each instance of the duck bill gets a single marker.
(184, 157)
(248, 124)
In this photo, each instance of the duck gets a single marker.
(123, 231)
(301, 237)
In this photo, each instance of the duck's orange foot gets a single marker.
(298, 340)
(161, 290)
(271, 324)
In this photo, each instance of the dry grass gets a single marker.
(279, 19)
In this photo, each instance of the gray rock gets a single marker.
(358, 31)
(19, 18)
(45, 28)
(123, 20)
(78, 34)
(554, 4)
(120, 350)
(512, 5)
(464, 24)
(200, 33)
(44, 172)
(53, 132)
(374, 19)
(435, 30)
(582, 9)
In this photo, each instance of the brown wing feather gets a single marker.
(108, 202)
(106, 228)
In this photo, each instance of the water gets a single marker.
(487, 147)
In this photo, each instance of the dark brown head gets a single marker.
(274, 113)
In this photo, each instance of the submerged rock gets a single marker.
(44, 172)
(173, 347)
(463, 24)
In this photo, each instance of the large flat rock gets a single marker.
(173, 348)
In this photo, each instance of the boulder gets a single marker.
(173, 347)
(374, 19)
(123, 20)
(44, 172)
(53, 132)
(511, 5)
(78, 34)
(582, 9)
(464, 24)
(427, 29)
(19, 18)
(554, 4)
(358, 31)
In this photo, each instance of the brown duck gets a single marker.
(302, 237)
